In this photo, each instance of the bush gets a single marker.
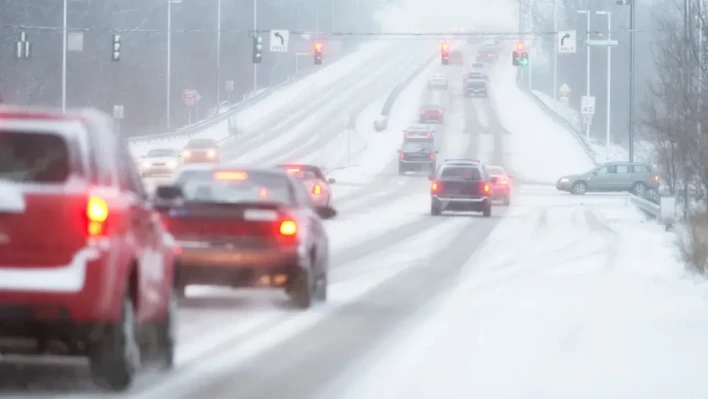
(693, 242)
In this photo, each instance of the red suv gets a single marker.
(86, 267)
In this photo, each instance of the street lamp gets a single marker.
(169, 58)
(218, 56)
(587, 72)
(63, 58)
(609, 74)
(255, 33)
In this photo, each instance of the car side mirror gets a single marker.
(494, 180)
(326, 212)
(168, 193)
(331, 181)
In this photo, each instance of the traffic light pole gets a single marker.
(255, 30)
(631, 80)
(555, 51)
(218, 56)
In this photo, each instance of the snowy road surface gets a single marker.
(555, 297)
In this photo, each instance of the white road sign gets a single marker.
(567, 41)
(565, 101)
(279, 40)
(564, 90)
(587, 120)
(587, 105)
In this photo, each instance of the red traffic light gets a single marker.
(445, 46)
(318, 46)
(520, 46)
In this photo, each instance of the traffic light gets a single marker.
(445, 53)
(257, 49)
(520, 47)
(115, 56)
(318, 53)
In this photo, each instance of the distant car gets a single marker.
(247, 227)
(86, 266)
(461, 186)
(456, 58)
(316, 182)
(419, 132)
(487, 54)
(637, 178)
(431, 113)
(501, 184)
(477, 67)
(437, 82)
(417, 156)
(159, 161)
(475, 86)
(201, 151)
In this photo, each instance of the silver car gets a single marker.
(159, 161)
(637, 178)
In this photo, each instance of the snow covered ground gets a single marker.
(567, 298)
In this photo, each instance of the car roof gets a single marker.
(228, 168)
(431, 106)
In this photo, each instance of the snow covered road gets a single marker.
(527, 303)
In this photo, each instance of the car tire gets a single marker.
(487, 210)
(167, 334)
(435, 209)
(302, 289)
(115, 358)
(579, 188)
(639, 189)
(321, 288)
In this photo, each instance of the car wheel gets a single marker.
(639, 189)
(115, 358)
(167, 334)
(487, 210)
(301, 290)
(435, 209)
(579, 188)
(321, 288)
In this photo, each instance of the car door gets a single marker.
(601, 179)
(624, 178)
(147, 234)
(315, 229)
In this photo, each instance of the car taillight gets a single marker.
(432, 156)
(288, 228)
(435, 187)
(211, 154)
(503, 181)
(486, 188)
(401, 155)
(97, 214)
(656, 179)
(317, 189)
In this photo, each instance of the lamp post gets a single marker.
(587, 68)
(609, 75)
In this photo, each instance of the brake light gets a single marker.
(97, 214)
(401, 155)
(293, 170)
(211, 154)
(656, 178)
(288, 228)
(435, 187)
(432, 156)
(486, 188)
(317, 189)
(225, 175)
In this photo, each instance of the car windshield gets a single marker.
(431, 107)
(162, 153)
(414, 146)
(34, 157)
(496, 171)
(461, 172)
(202, 144)
(232, 186)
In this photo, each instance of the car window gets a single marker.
(201, 144)
(641, 169)
(417, 146)
(496, 171)
(462, 172)
(623, 169)
(35, 157)
(230, 186)
(607, 169)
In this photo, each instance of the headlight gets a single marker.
(172, 164)
(211, 154)
(146, 164)
(564, 180)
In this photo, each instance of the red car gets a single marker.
(501, 184)
(314, 180)
(85, 264)
(431, 113)
(201, 151)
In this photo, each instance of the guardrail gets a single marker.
(193, 129)
(653, 210)
(381, 122)
(559, 119)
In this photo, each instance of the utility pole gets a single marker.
(64, 34)
(609, 76)
(255, 33)
(587, 67)
(631, 79)
(555, 51)
(218, 56)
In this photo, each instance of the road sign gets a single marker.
(601, 43)
(587, 120)
(229, 85)
(587, 105)
(190, 97)
(565, 101)
(567, 41)
(279, 41)
(118, 112)
(564, 90)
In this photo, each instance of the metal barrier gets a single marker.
(653, 211)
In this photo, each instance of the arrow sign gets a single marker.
(567, 41)
(279, 40)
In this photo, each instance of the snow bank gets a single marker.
(542, 150)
